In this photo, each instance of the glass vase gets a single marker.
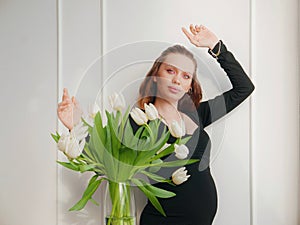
(119, 204)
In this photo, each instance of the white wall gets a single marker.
(275, 113)
(46, 46)
(28, 87)
(79, 45)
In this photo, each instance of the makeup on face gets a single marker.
(174, 77)
(180, 62)
(179, 70)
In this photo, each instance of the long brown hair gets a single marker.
(148, 88)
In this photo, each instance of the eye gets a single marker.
(170, 71)
(186, 76)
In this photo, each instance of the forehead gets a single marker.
(182, 62)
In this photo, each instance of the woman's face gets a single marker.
(174, 77)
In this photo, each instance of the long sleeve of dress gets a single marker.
(213, 109)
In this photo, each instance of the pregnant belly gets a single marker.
(196, 197)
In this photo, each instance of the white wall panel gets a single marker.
(275, 124)
(28, 87)
(79, 46)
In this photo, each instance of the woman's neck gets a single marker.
(167, 110)
(164, 105)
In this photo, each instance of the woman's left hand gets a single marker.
(201, 36)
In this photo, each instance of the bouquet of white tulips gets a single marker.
(114, 152)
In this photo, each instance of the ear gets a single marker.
(189, 89)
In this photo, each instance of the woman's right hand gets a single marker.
(69, 111)
(201, 36)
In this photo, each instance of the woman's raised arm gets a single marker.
(213, 109)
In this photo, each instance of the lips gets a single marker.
(173, 89)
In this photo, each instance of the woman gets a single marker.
(172, 86)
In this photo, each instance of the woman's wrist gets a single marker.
(217, 49)
(213, 44)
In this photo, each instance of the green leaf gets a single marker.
(96, 146)
(71, 166)
(155, 168)
(128, 135)
(87, 153)
(126, 160)
(166, 151)
(183, 141)
(173, 163)
(56, 137)
(136, 139)
(118, 116)
(87, 124)
(113, 130)
(150, 196)
(94, 201)
(101, 131)
(144, 144)
(92, 179)
(109, 162)
(156, 177)
(153, 125)
(84, 168)
(144, 156)
(87, 195)
(123, 123)
(127, 155)
(126, 115)
(158, 192)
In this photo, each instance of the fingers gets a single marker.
(200, 28)
(62, 107)
(77, 106)
(74, 100)
(193, 30)
(64, 103)
(66, 95)
(189, 35)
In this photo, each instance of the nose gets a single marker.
(175, 79)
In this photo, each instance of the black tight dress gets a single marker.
(196, 199)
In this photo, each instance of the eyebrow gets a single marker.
(178, 68)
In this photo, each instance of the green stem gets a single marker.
(120, 199)
(150, 132)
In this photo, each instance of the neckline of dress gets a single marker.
(185, 133)
(198, 127)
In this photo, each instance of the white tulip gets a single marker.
(70, 145)
(179, 176)
(151, 111)
(62, 142)
(79, 131)
(139, 116)
(181, 151)
(92, 110)
(74, 148)
(163, 148)
(117, 101)
(176, 130)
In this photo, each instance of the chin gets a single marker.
(174, 98)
